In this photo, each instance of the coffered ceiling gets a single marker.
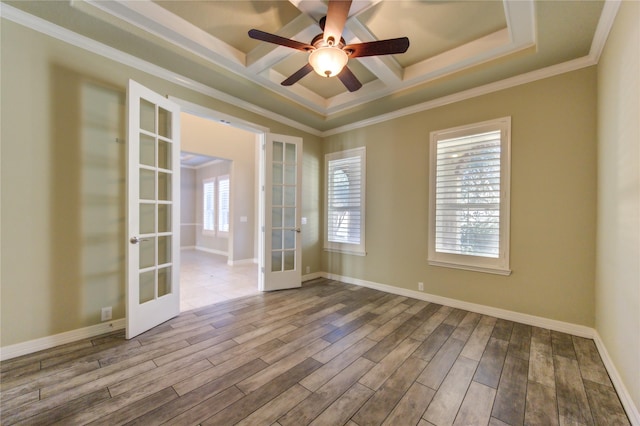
(455, 46)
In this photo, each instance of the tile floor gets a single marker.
(205, 278)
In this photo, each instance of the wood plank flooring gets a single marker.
(326, 354)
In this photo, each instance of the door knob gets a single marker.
(136, 240)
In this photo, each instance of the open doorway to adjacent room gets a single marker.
(218, 198)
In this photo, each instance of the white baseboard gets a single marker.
(623, 393)
(565, 327)
(48, 342)
(241, 262)
(313, 276)
(188, 248)
(213, 251)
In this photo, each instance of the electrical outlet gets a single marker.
(308, 269)
(421, 286)
(106, 314)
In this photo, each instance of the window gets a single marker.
(469, 197)
(215, 204)
(223, 204)
(345, 190)
(208, 190)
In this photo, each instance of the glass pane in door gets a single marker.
(147, 252)
(164, 218)
(147, 286)
(283, 209)
(164, 123)
(155, 173)
(276, 261)
(164, 281)
(147, 116)
(147, 150)
(164, 155)
(164, 186)
(147, 184)
(289, 260)
(147, 218)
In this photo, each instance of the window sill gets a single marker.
(484, 269)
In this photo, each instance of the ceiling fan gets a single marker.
(328, 52)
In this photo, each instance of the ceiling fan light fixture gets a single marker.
(328, 61)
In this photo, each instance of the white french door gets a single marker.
(153, 227)
(282, 265)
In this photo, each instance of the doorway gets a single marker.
(270, 204)
(218, 199)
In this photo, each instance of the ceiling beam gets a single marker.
(385, 67)
(318, 9)
(266, 55)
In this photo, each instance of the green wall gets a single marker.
(553, 200)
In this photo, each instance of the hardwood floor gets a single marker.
(326, 354)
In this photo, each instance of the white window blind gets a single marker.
(208, 216)
(345, 201)
(469, 197)
(223, 204)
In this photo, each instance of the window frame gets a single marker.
(345, 247)
(501, 264)
(218, 216)
(209, 231)
(216, 230)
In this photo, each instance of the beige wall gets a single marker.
(553, 200)
(618, 255)
(62, 183)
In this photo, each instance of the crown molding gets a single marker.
(518, 80)
(50, 29)
(607, 17)
(605, 23)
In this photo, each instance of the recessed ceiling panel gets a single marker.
(433, 27)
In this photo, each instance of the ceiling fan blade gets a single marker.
(296, 76)
(276, 39)
(336, 17)
(349, 80)
(375, 48)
